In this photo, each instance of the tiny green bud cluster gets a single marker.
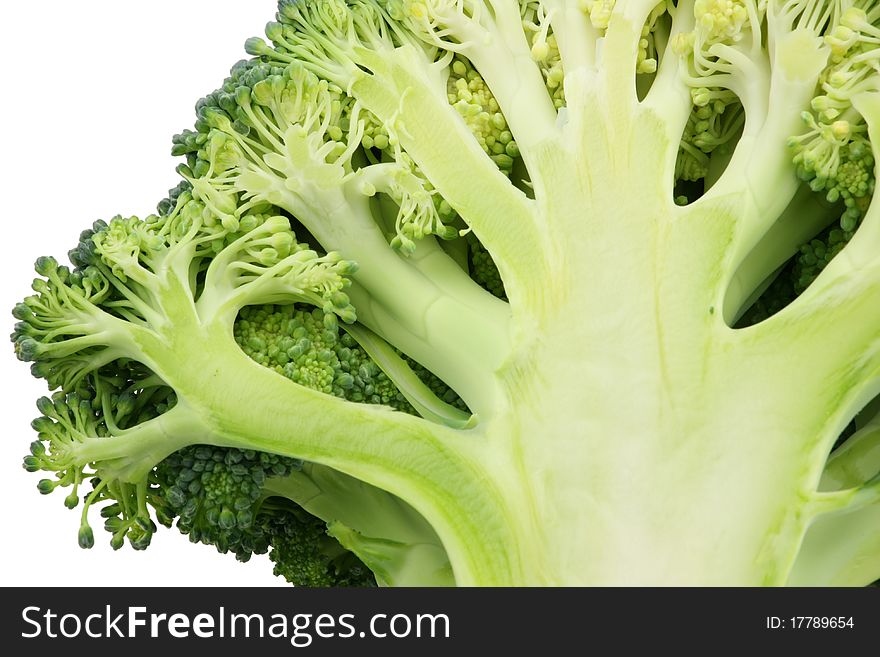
(309, 348)
(834, 155)
(715, 121)
(215, 493)
(469, 95)
(545, 50)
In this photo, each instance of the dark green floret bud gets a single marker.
(22, 312)
(257, 47)
(46, 486)
(32, 464)
(46, 265)
(27, 349)
(45, 406)
(86, 537)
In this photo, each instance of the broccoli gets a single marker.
(495, 292)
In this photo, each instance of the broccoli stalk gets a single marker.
(621, 417)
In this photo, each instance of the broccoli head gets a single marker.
(495, 292)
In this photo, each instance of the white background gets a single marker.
(91, 94)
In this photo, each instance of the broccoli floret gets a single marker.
(167, 204)
(81, 323)
(309, 348)
(484, 270)
(304, 554)
(216, 495)
(544, 49)
(245, 502)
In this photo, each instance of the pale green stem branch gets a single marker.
(501, 216)
(426, 403)
(856, 461)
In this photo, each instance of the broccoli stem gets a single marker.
(575, 37)
(447, 323)
(442, 349)
(435, 470)
(387, 534)
(620, 47)
(507, 66)
(806, 215)
(130, 454)
(431, 310)
(667, 97)
(416, 392)
(761, 163)
(228, 400)
(840, 550)
(500, 215)
(856, 461)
